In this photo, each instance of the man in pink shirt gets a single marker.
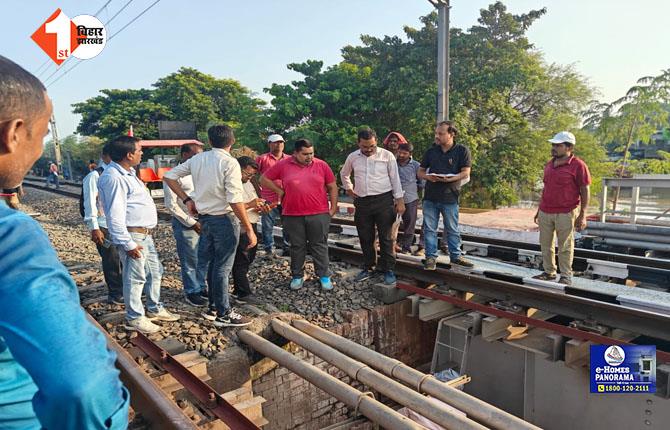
(565, 199)
(266, 162)
(305, 180)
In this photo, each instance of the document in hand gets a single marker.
(395, 227)
(449, 175)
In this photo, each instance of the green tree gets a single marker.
(632, 118)
(79, 149)
(504, 98)
(186, 95)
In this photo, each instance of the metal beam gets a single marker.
(442, 60)
(362, 402)
(574, 333)
(146, 397)
(637, 182)
(440, 414)
(475, 408)
(613, 315)
(205, 394)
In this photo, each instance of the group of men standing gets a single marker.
(213, 198)
(215, 207)
(56, 369)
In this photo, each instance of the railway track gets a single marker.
(152, 374)
(648, 272)
(655, 270)
(572, 302)
(73, 190)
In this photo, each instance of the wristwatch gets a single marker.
(11, 190)
(187, 199)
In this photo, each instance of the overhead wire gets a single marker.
(110, 37)
(108, 40)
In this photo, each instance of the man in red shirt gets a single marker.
(266, 162)
(565, 199)
(305, 213)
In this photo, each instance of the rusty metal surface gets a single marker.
(610, 314)
(146, 397)
(571, 332)
(205, 394)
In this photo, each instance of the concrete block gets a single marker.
(388, 294)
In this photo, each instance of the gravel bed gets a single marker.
(269, 277)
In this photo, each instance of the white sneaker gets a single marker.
(163, 315)
(143, 325)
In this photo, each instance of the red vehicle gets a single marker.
(151, 170)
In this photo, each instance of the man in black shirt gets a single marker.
(445, 166)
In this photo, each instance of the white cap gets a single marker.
(275, 138)
(564, 137)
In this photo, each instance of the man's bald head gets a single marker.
(21, 93)
(24, 121)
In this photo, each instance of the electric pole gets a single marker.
(56, 141)
(442, 58)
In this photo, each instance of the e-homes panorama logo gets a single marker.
(83, 36)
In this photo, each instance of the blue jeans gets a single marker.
(141, 274)
(431, 219)
(52, 177)
(187, 250)
(216, 251)
(267, 223)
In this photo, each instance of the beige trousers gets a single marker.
(563, 225)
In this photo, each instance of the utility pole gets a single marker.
(442, 58)
(56, 141)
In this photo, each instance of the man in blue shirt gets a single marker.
(94, 218)
(55, 369)
(445, 167)
(131, 215)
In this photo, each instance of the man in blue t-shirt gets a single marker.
(55, 369)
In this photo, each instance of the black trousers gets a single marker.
(406, 237)
(376, 212)
(243, 259)
(309, 232)
(111, 266)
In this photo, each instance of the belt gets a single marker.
(227, 214)
(143, 230)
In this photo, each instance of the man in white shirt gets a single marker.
(94, 218)
(378, 197)
(245, 256)
(186, 230)
(219, 200)
(131, 215)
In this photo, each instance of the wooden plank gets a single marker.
(112, 317)
(494, 328)
(93, 286)
(169, 384)
(577, 353)
(93, 300)
(239, 395)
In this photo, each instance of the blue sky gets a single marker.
(611, 42)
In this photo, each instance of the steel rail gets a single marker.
(580, 253)
(577, 307)
(162, 215)
(146, 397)
(571, 332)
(205, 394)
